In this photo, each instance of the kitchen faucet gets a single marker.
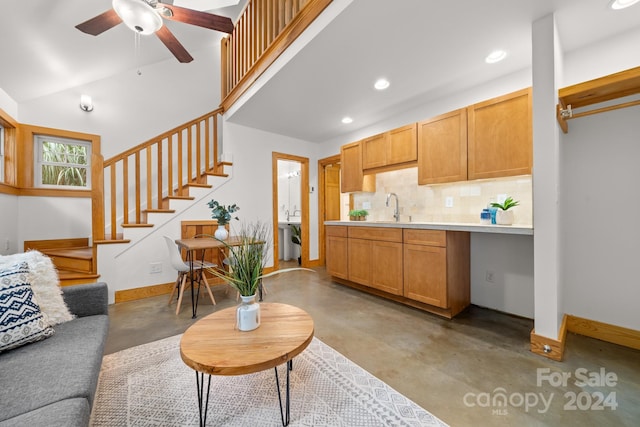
(396, 212)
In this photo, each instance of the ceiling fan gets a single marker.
(145, 17)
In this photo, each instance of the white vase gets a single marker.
(504, 217)
(248, 313)
(221, 233)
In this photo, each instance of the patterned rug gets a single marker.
(149, 385)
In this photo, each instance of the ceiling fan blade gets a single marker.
(201, 19)
(100, 23)
(172, 43)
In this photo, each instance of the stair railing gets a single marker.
(143, 178)
(263, 31)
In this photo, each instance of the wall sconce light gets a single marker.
(85, 103)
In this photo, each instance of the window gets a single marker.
(62, 162)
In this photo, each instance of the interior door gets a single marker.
(332, 192)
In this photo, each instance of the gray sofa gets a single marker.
(53, 382)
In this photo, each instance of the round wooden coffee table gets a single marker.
(214, 346)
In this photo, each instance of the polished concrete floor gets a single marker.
(474, 370)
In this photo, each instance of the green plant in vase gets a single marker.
(504, 216)
(246, 262)
(358, 214)
(222, 214)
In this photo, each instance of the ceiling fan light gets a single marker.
(621, 4)
(138, 15)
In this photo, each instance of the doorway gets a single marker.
(329, 197)
(290, 175)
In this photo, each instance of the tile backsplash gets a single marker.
(428, 202)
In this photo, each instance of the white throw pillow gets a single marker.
(21, 321)
(45, 284)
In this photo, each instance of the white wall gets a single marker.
(8, 105)
(130, 108)
(599, 217)
(42, 218)
(8, 229)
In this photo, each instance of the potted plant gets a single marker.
(222, 214)
(358, 215)
(504, 216)
(296, 238)
(246, 261)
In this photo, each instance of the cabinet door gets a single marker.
(360, 261)
(374, 151)
(402, 145)
(352, 178)
(336, 257)
(425, 274)
(386, 267)
(500, 136)
(442, 148)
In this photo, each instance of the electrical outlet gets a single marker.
(448, 202)
(155, 267)
(489, 276)
(7, 245)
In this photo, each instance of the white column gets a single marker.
(547, 72)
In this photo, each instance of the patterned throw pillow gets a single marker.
(21, 321)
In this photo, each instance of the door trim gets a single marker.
(304, 200)
(322, 163)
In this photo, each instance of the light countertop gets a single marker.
(449, 226)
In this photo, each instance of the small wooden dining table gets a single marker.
(194, 245)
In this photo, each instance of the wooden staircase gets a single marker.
(73, 258)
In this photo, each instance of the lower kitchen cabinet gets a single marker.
(376, 262)
(336, 252)
(427, 269)
(437, 268)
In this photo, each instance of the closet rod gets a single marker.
(573, 115)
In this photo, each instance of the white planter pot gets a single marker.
(221, 233)
(248, 314)
(504, 217)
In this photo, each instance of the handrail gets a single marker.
(143, 178)
(264, 30)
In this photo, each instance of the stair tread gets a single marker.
(181, 197)
(130, 225)
(68, 274)
(224, 175)
(195, 184)
(78, 253)
(159, 210)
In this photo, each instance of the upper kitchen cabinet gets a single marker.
(352, 177)
(500, 138)
(390, 148)
(442, 148)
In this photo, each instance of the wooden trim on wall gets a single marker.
(548, 347)
(604, 331)
(589, 328)
(143, 292)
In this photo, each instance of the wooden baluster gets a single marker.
(169, 165)
(125, 191)
(180, 173)
(137, 185)
(159, 172)
(113, 200)
(189, 156)
(149, 180)
(198, 152)
(215, 143)
(207, 148)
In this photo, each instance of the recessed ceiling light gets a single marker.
(621, 4)
(381, 84)
(347, 120)
(495, 56)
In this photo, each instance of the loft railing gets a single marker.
(263, 31)
(143, 178)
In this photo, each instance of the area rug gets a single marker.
(149, 385)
